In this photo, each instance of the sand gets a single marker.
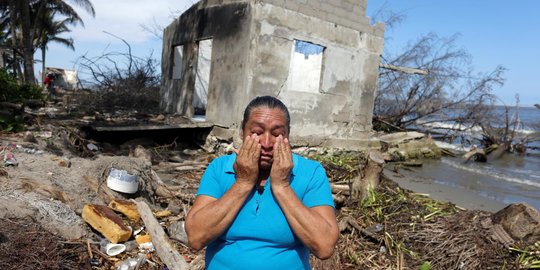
(461, 197)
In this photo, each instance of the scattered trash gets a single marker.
(29, 150)
(92, 147)
(177, 231)
(141, 239)
(122, 181)
(375, 228)
(132, 263)
(148, 246)
(8, 158)
(114, 249)
(136, 232)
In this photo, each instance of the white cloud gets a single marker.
(124, 18)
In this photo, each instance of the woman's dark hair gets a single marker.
(266, 102)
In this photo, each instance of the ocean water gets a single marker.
(510, 179)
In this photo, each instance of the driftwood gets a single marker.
(339, 188)
(165, 250)
(371, 178)
(476, 155)
(363, 231)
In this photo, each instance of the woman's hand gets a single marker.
(246, 165)
(282, 163)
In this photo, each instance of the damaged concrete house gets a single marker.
(320, 57)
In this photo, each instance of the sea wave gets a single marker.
(482, 171)
(467, 129)
(457, 147)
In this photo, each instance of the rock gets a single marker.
(29, 137)
(521, 221)
(105, 221)
(160, 117)
(127, 208)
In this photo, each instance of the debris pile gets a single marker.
(124, 208)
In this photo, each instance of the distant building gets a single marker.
(65, 79)
(320, 57)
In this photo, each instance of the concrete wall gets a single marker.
(252, 49)
(228, 26)
(340, 114)
(348, 13)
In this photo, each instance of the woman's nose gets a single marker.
(266, 141)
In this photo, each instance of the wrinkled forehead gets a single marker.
(270, 116)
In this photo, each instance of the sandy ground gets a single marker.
(460, 197)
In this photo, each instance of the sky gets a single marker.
(494, 32)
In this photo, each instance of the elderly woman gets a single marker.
(263, 207)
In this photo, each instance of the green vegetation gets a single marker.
(10, 90)
(27, 25)
(529, 257)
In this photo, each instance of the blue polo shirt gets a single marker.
(260, 236)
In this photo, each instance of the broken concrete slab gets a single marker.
(401, 137)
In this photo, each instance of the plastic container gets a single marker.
(122, 181)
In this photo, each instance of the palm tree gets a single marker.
(25, 18)
(50, 30)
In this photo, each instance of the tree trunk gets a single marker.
(43, 51)
(372, 176)
(28, 48)
(14, 41)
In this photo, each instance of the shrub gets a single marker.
(11, 91)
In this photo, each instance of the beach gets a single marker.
(467, 199)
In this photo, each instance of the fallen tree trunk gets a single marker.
(165, 250)
(476, 155)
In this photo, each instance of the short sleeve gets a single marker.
(318, 192)
(209, 185)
